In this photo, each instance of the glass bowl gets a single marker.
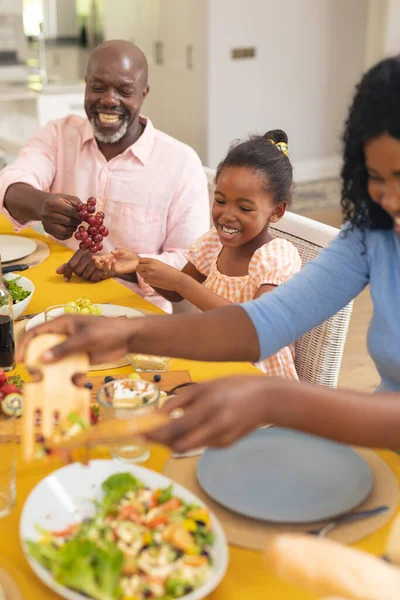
(146, 363)
(127, 399)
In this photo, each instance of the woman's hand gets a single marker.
(217, 413)
(158, 274)
(104, 339)
(120, 261)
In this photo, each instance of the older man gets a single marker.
(151, 187)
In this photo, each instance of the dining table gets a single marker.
(248, 575)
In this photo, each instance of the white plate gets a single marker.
(286, 476)
(107, 310)
(64, 497)
(14, 247)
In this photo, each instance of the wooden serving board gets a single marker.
(169, 380)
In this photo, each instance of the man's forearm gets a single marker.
(23, 202)
(343, 415)
(225, 334)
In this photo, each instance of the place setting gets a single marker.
(278, 480)
(19, 253)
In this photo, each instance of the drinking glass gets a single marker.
(8, 466)
(53, 312)
(127, 399)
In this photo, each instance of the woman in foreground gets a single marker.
(366, 252)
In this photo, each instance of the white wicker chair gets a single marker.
(319, 352)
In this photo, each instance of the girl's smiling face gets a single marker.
(243, 208)
(382, 159)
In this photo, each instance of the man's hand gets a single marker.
(159, 275)
(82, 264)
(58, 215)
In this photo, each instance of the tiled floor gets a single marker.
(358, 370)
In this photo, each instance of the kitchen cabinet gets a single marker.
(173, 36)
(66, 63)
(23, 111)
(55, 106)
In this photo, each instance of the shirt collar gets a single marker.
(141, 149)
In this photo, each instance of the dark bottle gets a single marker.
(7, 343)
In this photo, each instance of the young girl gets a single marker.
(238, 259)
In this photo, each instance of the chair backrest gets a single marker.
(319, 352)
(211, 188)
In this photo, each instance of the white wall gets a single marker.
(377, 19)
(392, 38)
(120, 19)
(310, 54)
(10, 7)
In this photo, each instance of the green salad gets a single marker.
(140, 544)
(17, 292)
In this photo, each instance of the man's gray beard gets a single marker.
(110, 138)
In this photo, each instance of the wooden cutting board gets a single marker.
(169, 380)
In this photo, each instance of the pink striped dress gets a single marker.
(271, 264)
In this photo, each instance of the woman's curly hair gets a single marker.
(375, 111)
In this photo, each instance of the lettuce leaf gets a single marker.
(83, 566)
(116, 486)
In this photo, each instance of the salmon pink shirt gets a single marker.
(154, 194)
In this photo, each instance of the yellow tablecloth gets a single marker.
(247, 575)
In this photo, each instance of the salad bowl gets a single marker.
(74, 493)
(23, 284)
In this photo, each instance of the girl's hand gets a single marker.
(216, 413)
(120, 261)
(104, 262)
(158, 274)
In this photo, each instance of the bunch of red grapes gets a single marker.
(90, 238)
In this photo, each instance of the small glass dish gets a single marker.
(146, 363)
(127, 399)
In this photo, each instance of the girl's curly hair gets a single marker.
(375, 111)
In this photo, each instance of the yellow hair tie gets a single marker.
(282, 146)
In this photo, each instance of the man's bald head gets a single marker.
(116, 86)
(119, 51)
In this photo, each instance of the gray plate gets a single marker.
(286, 476)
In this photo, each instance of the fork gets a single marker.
(357, 516)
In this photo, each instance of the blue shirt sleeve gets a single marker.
(324, 286)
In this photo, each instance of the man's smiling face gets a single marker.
(116, 86)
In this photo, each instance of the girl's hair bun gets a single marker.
(276, 135)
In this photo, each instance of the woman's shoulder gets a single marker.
(366, 240)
